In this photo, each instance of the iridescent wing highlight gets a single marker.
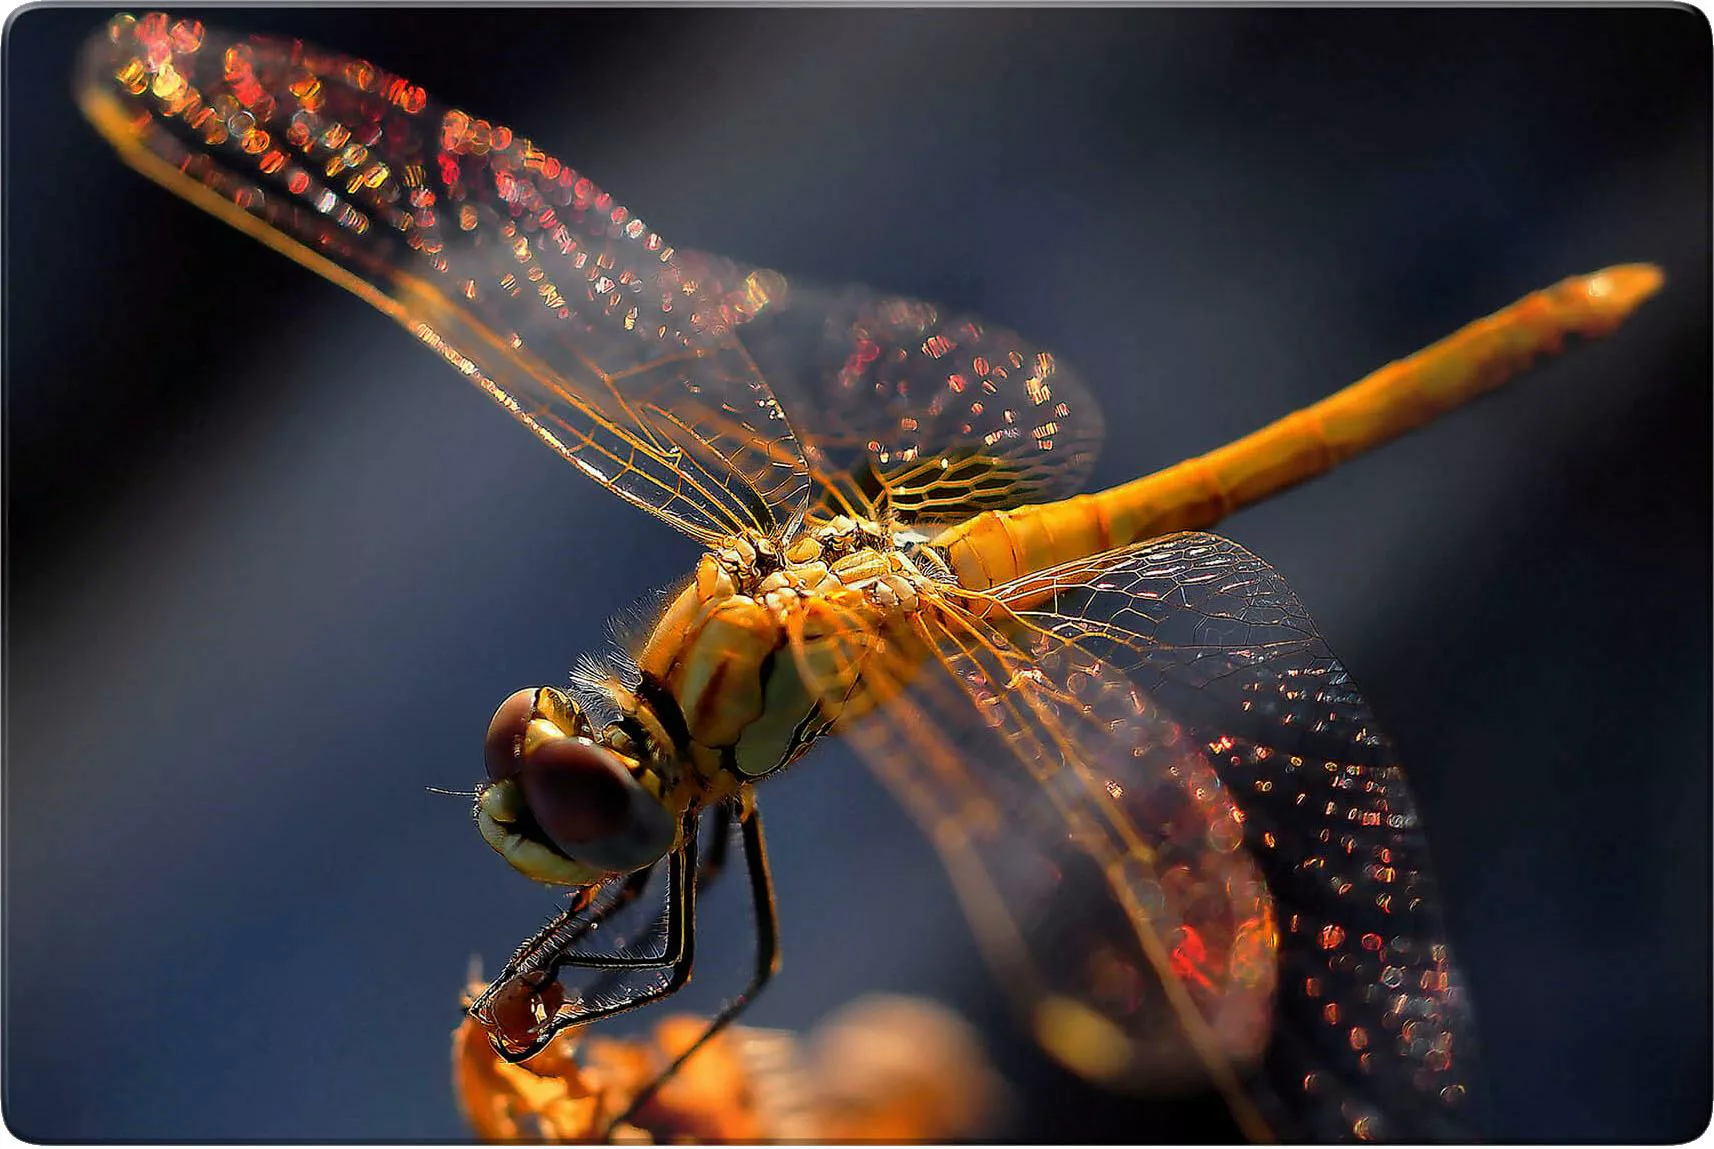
(927, 415)
(1098, 857)
(618, 353)
(1373, 1034)
(1179, 834)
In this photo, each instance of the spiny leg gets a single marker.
(537, 963)
(710, 867)
(521, 987)
(720, 845)
(582, 916)
(767, 956)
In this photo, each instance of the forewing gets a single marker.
(1095, 851)
(621, 355)
(1373, 1036)
(929, 414)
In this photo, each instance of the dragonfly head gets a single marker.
(563, 806)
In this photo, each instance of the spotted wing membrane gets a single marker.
(924, 414)
(1178, 833)
(1372, 1034)
(651, 369)
(620, 354)
(1096, 853)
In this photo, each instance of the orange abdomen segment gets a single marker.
(998, 546)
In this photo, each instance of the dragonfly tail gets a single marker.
(1193, 495)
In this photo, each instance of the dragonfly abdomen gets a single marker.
(998, 546)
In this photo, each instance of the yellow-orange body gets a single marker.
(653, 373)
(722, 651)
(998, 546)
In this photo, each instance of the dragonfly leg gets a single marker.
(551, 948)
(712, 864)
(579, 918)
(714, 861)
(767, 956)
(536, 965)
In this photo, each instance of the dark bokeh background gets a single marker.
(271, 566)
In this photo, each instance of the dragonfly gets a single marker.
(1185, 844)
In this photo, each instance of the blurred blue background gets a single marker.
(271, 566)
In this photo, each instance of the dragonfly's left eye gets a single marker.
(583, 797)
(578, 792)
(591, 806)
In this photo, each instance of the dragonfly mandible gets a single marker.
(1177, 829)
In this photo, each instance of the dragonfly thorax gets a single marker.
(723, 666)
(718, 699)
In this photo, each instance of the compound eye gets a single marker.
(577, 792)
(503, 749)
(509, 735)
(587, 802)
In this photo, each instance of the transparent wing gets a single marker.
(1373, 1036)
(618, 353)
(1096, 853)
(936, 415)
